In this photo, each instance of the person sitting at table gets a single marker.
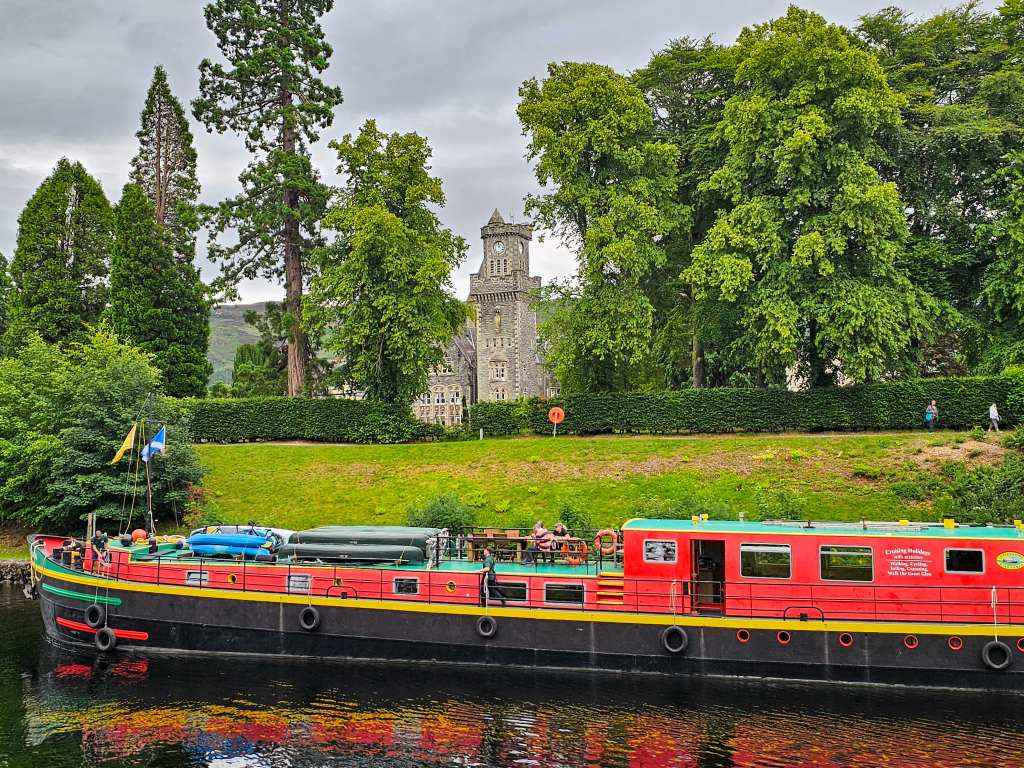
(541, 544)
(560, 537)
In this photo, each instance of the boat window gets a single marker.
(658, 551)
(197, 578)
(765, 561)
(514, 591)
(407, 586)
(563, 593)
(846, 563)
(298, 582)
(965, 561)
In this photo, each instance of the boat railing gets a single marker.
(788, 601)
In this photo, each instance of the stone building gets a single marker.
(496, 356)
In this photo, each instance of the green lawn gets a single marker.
(516, 481)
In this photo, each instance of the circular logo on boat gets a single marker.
(1011, 561)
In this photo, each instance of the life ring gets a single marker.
(95, 616)
(105, 639)
(486, 627)
(674, 639)
(996, 655)
(309, 618)
(575, 552)
(606, 549)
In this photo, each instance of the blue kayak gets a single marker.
(222, 550)
(229, 539)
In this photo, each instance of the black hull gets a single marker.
(212, 625)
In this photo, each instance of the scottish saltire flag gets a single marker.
(157, 445)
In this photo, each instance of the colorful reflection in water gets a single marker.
(60, 710)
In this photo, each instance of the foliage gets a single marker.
(60, 261)
(5, 300)
(334, 420)
(272, 93)
(986, 494)
(810, 246)
(382, 289)
(1014, 440)
(165, 165)
(156, 300)
(444, 510)
(610, 193)
(575, 516)
(63, 414)
(963, 403)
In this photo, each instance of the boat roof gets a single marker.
(902, 529)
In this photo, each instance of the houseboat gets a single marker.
(933, 604)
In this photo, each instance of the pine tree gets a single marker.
(270, 92)
(155, 301)
(60, 262)
(165, 166)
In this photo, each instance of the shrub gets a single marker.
(1014, 440)
(977, 434)
(774, 502)
(963, 404)
(574, 516)
(332, 420)
(866, 471)
(445, 510)
(986, 494)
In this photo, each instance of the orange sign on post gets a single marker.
(556, 416)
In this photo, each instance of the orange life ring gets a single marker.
(606, 549)
(575, 551)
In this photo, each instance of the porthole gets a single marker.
(232, 578)
(450, 586)
(846, 639)
(955, 643)
(743, 636)
(338, 582)
(1020, 644)
(783, 637)
(911, 642)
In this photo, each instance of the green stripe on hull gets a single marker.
(84, 598)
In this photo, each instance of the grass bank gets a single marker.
(518, 480)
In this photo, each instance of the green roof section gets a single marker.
(910, 530)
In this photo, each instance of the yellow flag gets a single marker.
(126, 446)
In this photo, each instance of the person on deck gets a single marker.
(489, 587)
(101, 557)
(993, 418)
(562, 536)
(931, 416)
(541, 545)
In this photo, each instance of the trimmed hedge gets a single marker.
(963, 403)
(328, 420)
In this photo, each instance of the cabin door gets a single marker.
(707, 563)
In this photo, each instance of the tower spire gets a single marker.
(496, 218)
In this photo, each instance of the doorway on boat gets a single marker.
(708, 563)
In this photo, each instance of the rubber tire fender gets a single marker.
(1003, 648)
(309, 619)
(487, 627)
(674, 639)
(95, 615)
(105, 640)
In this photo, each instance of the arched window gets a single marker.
(499, 369)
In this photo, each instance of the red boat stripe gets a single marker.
(126, 634)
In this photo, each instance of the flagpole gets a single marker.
(149, 484)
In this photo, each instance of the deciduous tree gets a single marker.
(61, 259)
(610, 188)
(271, 92)
(810, 246)
(382, 289)
(5, 300)
(157, 301)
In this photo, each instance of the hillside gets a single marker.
(519, 480)
(228, 331)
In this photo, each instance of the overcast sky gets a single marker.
(74, 73)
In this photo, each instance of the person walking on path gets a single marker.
(931, 416)
(993, 418)
(489, 580)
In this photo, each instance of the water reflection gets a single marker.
(194, 711)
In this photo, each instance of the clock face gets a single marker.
(499, 247)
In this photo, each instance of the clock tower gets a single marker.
(508, 366)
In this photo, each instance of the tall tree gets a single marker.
(382, 289)
(165, 166)
(272, 93)
(610, 193)
(810, 247)
(156, 301)
(61, 259)
(960, 74)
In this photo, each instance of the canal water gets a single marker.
(58, 709)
